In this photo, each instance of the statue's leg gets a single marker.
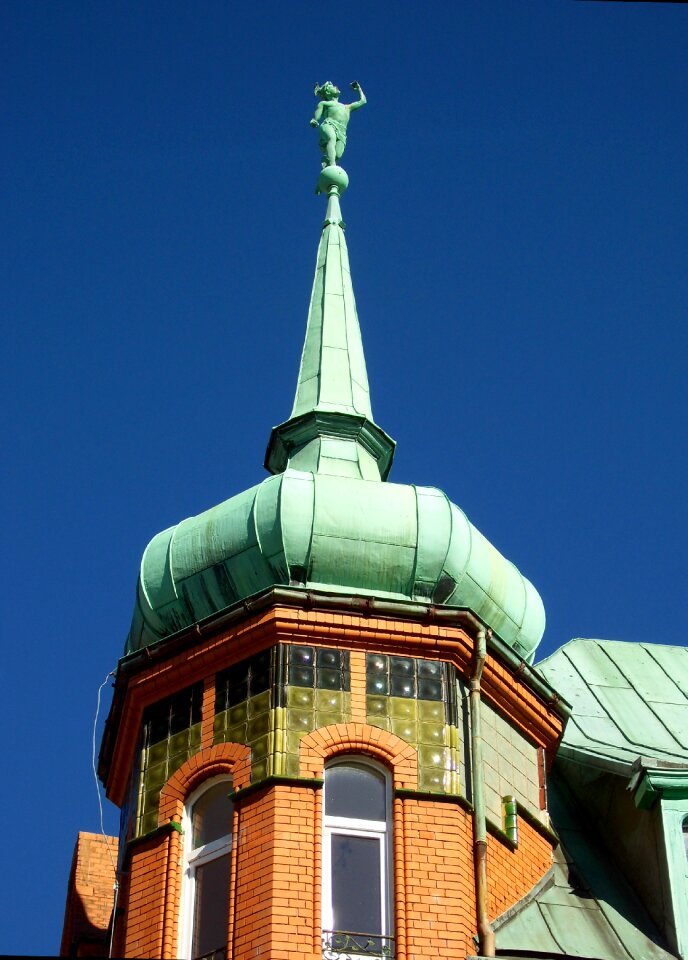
(328, 140)
(339, 149)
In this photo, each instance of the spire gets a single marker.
(331, 428)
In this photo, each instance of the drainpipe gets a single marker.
(486, 937)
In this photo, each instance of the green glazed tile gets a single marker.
(176, 762)
(236, 733)
(293, 742)
(156, 776)
(432, 734)
(258, 726)
(259, 770)
(402, 708)
(195, 738)
(405, 729)
(261, 747)
(383, 723)
(219, 723)
(291, 767)
(149, 822)
(277, 763)
(431, 780)
(329, 700)
(491, 778)
(157, 753)
(324, 718)
(377, 706)
(151, 800)
(259, 704)
(429, 710)
(453, 736)
(237, 714)
(302, 720)
(179, 743)
(300, 697)
(432, 757)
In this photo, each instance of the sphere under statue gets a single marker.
(333, 176)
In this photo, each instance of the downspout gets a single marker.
(486, 936)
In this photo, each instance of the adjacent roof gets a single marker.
(583, 909)
(629, 700)
(327, 519)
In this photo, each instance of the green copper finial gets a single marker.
(332, 117)
(331, 428)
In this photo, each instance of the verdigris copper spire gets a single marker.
(320, 523)
(331, 429)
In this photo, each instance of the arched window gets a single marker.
(205, 897)
(357, 889)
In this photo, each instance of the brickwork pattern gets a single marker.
(275, 886)
(328, 742)
(276, 913)
(90, 893)
(147, 897)
(511, 875)
(438, 876)
(511, 765)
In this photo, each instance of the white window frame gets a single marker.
(381, 830)
(194, 859)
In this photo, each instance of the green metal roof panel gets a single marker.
(326, 518)
(333, 359)
(379, 539)
(586, 909)
(628, 699)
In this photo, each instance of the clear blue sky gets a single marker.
(517, 224)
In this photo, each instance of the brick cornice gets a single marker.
(153, 678)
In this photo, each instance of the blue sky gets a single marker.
(516, 221)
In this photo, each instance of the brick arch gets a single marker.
(224, 758)
(325, 743)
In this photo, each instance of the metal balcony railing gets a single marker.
(346, 945)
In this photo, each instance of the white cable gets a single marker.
(100, 810)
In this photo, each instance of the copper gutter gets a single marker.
(486, 936)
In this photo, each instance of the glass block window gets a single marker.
(174, 714)
(405, 677)
(244, 680)
(318, 668)
(171, 733)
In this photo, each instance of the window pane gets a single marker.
(211, 908)
(355, 791)
(211, 817)
(356, 903)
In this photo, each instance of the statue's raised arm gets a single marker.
(332, 117)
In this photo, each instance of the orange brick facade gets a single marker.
(90, 895)
(276, 877)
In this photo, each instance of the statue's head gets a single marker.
(328, 91)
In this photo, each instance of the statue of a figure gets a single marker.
(335, 119)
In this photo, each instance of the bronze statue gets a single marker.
(333, 118)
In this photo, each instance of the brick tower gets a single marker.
(326, 738)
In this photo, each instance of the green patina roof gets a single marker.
(629, 700)
(327, 518)
(584, 908)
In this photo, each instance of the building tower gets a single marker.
(326, 738)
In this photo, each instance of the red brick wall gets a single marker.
(275, 886)
(90, 896)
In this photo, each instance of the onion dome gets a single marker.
(328, 518)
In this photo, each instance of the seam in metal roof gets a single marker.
(629, 700)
